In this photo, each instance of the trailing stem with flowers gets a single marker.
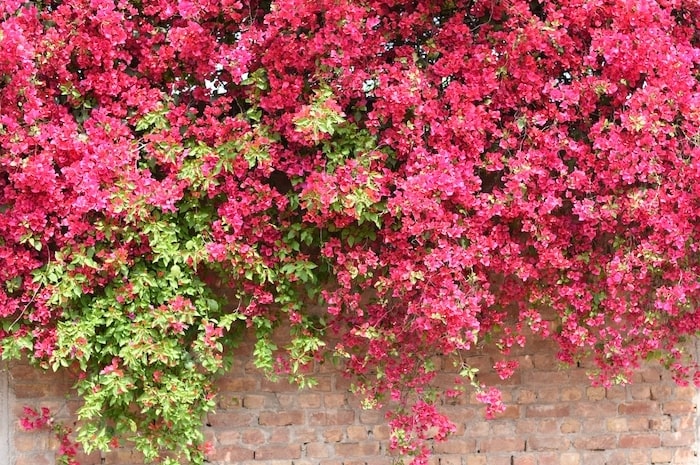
(435, 175)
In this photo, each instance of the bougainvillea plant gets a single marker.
(435, 174)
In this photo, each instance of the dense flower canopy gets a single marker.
(433, 174)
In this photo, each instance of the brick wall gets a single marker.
(4, 415)
(554, 418)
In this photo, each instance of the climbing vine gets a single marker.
(435, 175)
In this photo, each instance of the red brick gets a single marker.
(549, 394)
(499, 459)
(317, 450)
(343, 383)
(90, 459)
(548, 426)
(686, 392)
(598, 458)
(310, 400)
(209, 435)
(616, 424)
(558, 378)
(25, 442)
(639, 441)
(280, 435)
(337, 417)
(662, 423)
(253, 436)
(285, 418)
(592, 409)
(638, 407)
(579, 377)
(547, 443)
(605, 442)
(571, 394)
(238, 384)
(525, 426)
(545, 362)
(230, 454)
(72, 406)
(570, 426)
(466, 415)
(476, 459)
(595, 393)
(616, 393)
(35, 459)
(357, 433)
(511, 411)
(331, 462)
(678, 407)
(228, 419)
(685, 456)
(333, 434)
(278, 452)
(286, 400)
(254, 401)
(502, 445)
(570, 458)
(685, 422)
(547, 410)
(675, 439)
(480, 429)
(661, 455)
(661, 392)
(123, 456)
(459, 399)
(357, 449)
(381, 432)
(529, 459)
(638, 457)
(455, 446)
(228, 437)
(616, 456)
(447, 460)
(651, 375)
(23, 371)
(282, 385)
(525, 396)
(372, 417)
(640, 391)
(491, 378)
(548, 458)
(228, 402)
(37, 390)
(501, 428)
(481, 362)
(304, 434)
(525, 362)
(638, 423)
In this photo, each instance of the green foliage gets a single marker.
(150, 338)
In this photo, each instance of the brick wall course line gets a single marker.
(554, 417)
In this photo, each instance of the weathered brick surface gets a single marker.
(5, 414)
(554, 417)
